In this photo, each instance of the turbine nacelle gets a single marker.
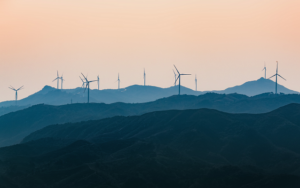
(57, 78)
(12, 88)
(16, 90)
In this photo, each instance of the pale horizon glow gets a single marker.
(225, 43)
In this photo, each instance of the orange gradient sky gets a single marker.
(224, 42)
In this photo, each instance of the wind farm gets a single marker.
(249, 88)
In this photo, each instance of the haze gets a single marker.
(224, 42)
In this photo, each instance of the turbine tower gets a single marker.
(144, 78)
(265, 69)
(62, 81)
(88, 86)
(98, 79)
(16, 90)
(175, 77)
(179, 77)
(276, 77)
(118, 81)
(196, 81)
(57, 78)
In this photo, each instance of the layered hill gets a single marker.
(8, 109)
(15, 126)
(186, 129)
(176, 148)
(131, 94)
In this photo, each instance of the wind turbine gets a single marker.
(88, 86)
(57, 78)
(179, 77)
(276, 77)
(265, 69)
(98, 79)
(118, 81)
(196, 81)
(62, 81)
(16, 90)
(144, 78)
(175, 77)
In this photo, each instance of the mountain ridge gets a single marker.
(137, 93)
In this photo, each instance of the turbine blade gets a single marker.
(54, 79)
(282, 77)
(85, 88)
(176, 69)
(20, 88)
(185, 74)
(272, 76)
(177, 79)
(81, 79)
(84, 77)
(12, 87)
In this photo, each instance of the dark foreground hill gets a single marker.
(15, 126)
(176, 149)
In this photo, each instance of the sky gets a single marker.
(225, 43)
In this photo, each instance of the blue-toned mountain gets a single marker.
(136, 94)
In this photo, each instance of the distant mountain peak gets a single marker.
(46, 87)
(256, 87)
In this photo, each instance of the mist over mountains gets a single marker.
(15, 126)
(136, 94)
